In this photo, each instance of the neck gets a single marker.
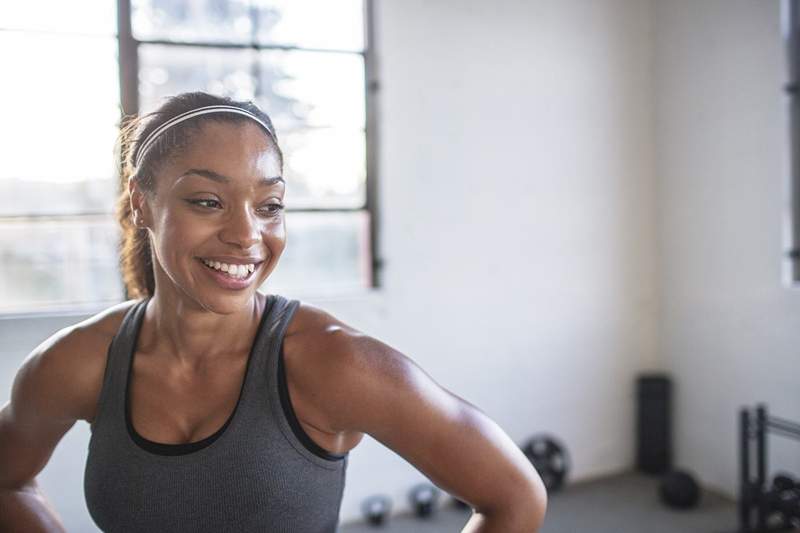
(192, 334)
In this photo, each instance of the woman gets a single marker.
(215, 407)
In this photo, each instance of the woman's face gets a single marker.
(220, 199)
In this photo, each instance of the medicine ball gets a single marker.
(679, 490)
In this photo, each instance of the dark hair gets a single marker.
(136, 259)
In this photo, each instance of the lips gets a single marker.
(227, 281)
(235, 270)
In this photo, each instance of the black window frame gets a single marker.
(790, 15)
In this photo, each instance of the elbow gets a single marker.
(523, 514)
(537, 508)
(532, 506)
(538, 495)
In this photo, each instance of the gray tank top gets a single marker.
(259, 472)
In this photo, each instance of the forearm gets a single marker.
(27, 509)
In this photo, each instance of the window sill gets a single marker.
(376, 296)
(57, 311)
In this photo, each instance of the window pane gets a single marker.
(298, 89)
(43, 197)
(213, 21)
(92, 17)
(304, 23)
(59, 136)
(316, 101)
(312, 23)
(325, 167)
(312, 89)
(326, 253)
(169, 70)
(58, 264)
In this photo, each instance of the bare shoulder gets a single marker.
(333, 363)
(68, 366)
(333, 344)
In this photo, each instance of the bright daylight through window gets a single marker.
(303, 61)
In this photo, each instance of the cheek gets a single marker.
(174, 236)
(275, 235)
(180, 231)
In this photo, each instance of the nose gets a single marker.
(242, 228)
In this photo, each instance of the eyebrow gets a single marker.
(210, 174)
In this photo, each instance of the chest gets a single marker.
(173, 406)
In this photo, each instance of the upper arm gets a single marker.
(377, 390)
(48, 395)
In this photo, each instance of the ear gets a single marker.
(138, 200)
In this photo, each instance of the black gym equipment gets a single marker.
(777, 507)
(654, 423)
(376, 509)
(423, 498)
(784, 481)
(550, 459)
(679, 490)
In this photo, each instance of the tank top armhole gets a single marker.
(106, 386)
(101, 398)
(291, 417)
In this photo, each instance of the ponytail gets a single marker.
(136, 263)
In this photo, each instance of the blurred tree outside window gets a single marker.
(302, 61)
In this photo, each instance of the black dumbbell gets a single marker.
(784, 481)
(788, 503)
(422, 498)
(376, 509)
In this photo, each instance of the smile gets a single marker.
(232, 271)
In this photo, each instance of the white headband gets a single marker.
(151, 139)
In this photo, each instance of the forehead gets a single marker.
(230, 148)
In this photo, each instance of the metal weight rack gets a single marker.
(753, 489)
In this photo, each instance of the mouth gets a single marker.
(232, 272)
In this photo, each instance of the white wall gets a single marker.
(729, 330)
(517, 199)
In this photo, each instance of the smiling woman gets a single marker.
(212, 405)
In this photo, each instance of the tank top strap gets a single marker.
(274, 388)
(279, 312)
(116, 370)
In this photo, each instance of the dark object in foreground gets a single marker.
(762, 508)
(550, 459)
(422, 498)
(376, 509)
(679, 490)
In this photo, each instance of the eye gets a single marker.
(274, 209)
(203, 201)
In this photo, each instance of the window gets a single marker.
(60, 106)
(304, 62)
(790, 15)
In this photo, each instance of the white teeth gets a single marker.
(236, 271)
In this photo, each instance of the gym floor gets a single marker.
(627, 503)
